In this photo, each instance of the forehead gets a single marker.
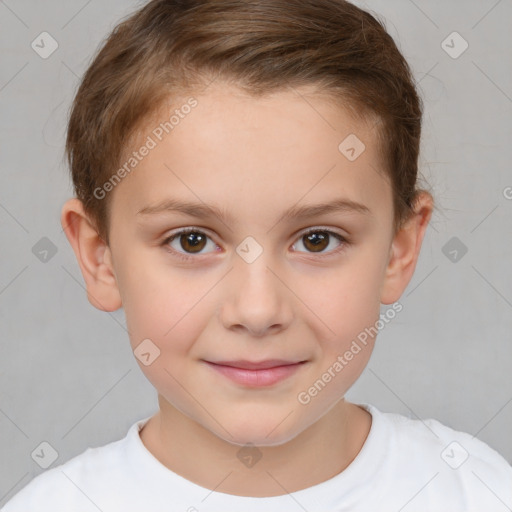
(254, 154)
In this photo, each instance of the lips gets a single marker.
(256, 373)
(261, 365)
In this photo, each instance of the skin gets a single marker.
(253, 158)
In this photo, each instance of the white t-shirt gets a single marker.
(405, 465)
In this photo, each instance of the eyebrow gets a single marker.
(203, 210)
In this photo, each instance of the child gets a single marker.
(246, 182)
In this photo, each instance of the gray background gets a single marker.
(67, 373)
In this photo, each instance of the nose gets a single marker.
(256, 299)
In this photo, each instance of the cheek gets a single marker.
(345, 300)
(164, 305)
(171, 312)
(345, 310)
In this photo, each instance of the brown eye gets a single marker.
(318, 240)
(188, 243)
(193, 241)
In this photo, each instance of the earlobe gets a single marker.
(405, 250)
(93, 256)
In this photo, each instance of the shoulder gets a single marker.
(78, 484)
(448, 462)
(60, 487)
(439, 441)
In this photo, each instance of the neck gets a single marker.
(317, 454)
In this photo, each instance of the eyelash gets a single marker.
(183, 256)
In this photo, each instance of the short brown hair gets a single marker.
(168, 47)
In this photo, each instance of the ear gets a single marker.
(405, 250)
(93, 256)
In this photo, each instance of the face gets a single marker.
(253, 280)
